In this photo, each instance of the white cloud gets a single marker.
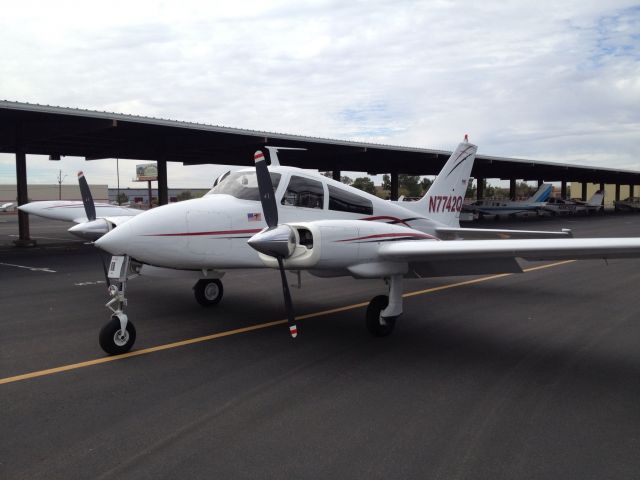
(548, 80)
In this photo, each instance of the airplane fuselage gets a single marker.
(212, 232)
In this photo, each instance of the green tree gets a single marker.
(184, 195)
(365, 184)
(425, 184)
(410, 185)
(122, 198)
(346, 180)
(471, 190)
(386, 182)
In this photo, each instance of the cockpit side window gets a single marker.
(344, 201)
(304, 192)
(243, 185)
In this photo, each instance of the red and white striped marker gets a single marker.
(258, 156)
(294, 331)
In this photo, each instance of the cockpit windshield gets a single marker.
(242, 185)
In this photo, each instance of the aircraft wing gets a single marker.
(452, 233)
(528, 249)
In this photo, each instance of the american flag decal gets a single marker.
(254, 217)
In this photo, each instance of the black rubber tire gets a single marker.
(377, 329)
(208, 292)
(109, 341)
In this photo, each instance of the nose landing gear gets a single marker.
(118, 335)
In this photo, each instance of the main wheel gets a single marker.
(208, 292)
(113, 340)
(377, 326)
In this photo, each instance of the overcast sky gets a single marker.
(547, 80)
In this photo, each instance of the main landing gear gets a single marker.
(208, 291)
(383, 310)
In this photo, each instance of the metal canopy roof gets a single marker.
(46, 130)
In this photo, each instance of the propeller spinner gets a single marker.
(277, 240)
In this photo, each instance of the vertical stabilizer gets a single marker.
(596, 199)
(542, 194)
(444, 199)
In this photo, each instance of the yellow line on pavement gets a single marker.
(206, 338)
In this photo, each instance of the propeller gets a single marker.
(277, 240)
(90, 211)
(87, 198)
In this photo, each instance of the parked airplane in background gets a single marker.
(629, 204)
(559, 206)
(7, 207)
(508, 207)
(93, 219)
(329, 229)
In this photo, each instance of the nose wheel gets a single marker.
(116, 340)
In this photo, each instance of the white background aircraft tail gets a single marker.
(596, 199)
(444, 199)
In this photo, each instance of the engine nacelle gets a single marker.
(344, 247)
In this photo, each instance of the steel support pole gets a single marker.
(336, 175)
(24, 238)
(584, 192)
(480, 189)
(617, 192)
(563, 189)
(512, 188)
(394, 185)
(631, 190)
(163, 189)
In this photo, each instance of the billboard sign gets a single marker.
(146, 172)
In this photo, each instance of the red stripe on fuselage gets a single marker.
(193, 234)
(389, 235)
(385, 217)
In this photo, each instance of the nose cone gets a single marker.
(116, 241)
(275, 242)
(90, 230)
(28, 208)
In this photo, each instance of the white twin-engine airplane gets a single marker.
(316, 224)
(92, 219)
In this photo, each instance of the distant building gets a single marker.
(35, 192)
(100, 193)
(141, 195)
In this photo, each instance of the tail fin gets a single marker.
(542, 194)
(596, 199)
(444, 199)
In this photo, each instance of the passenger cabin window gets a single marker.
(243, 185)
(344, 201)
(304, 192)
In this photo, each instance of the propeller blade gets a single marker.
(265, 186)
(87, 199)
(293, 329)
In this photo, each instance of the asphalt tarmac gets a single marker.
(528, 376)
